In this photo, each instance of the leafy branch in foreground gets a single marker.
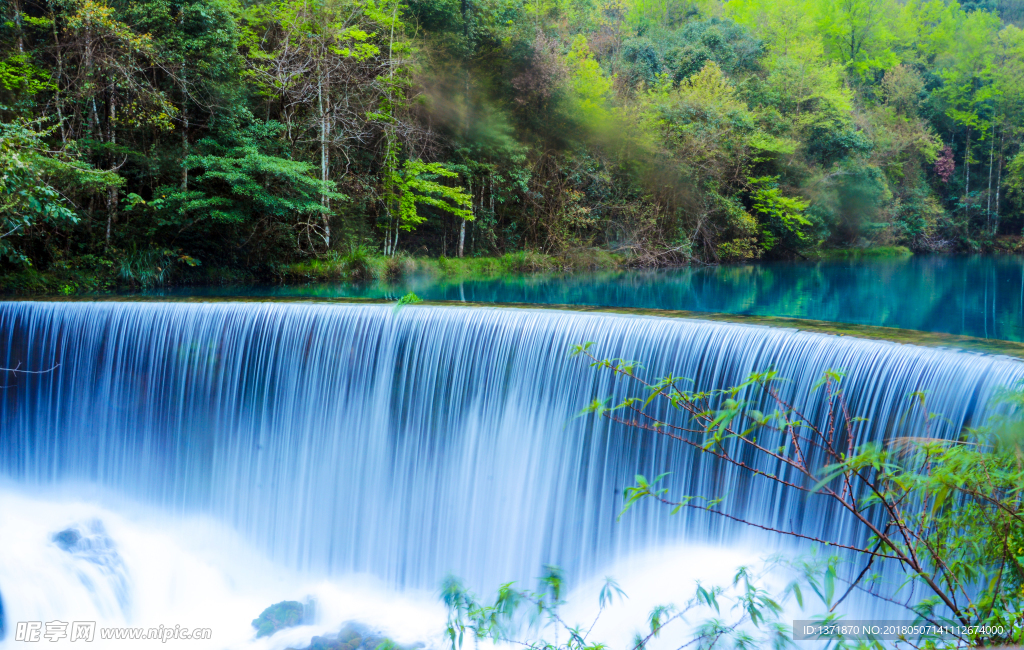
(945, 513)
(524, 618)
(408, 299)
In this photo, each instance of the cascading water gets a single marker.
(337, 439)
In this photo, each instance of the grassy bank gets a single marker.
(876, 252)
(91, 274)
(63, 280)
(361, 265)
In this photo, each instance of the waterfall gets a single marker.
(412, 444)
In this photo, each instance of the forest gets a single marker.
(224, 140)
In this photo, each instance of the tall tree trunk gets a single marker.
(967, 184)
(462, 227)
(324, 200)
(991, 160)
(184, 152)
(472, 231)
(112, 190)
(20, 41)
(999, 179)
(466, 116)
(93, 119)
(184, 129)
(389, 249)
(56, 85)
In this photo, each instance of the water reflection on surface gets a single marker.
(968, 295)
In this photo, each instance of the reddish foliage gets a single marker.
(944, 164)
(538, 81)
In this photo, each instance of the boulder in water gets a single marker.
(67, 539)
(88, 542)
(354, 637)
(287, 613)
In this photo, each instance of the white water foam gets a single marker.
(151, 570)
(158, 570)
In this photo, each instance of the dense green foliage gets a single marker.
(215, 139)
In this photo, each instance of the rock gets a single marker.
(88, 541)
(287, 613)
(326, 643)
(354, 637)
(67, 539)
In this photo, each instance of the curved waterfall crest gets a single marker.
(411, 444)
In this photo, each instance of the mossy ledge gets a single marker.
(910, 337)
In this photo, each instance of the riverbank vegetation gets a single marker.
(97, 275)
(359, 265)
(154, 141)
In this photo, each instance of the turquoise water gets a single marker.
(968, 295)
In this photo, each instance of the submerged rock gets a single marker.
(88, 539)
(88, 542)
(67, 539)
(354, 637)
(287, 613)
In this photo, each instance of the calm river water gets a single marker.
(979, 296)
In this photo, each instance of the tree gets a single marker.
(966, 87)
(782, 218)
(1008, 111)
(312, 58)
(31, 180)
(103, 83)
(416, 184)
(239, 182)
(926, 30)
(589, 88)
(858, 34)
(1015, 181)
(197, 42)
